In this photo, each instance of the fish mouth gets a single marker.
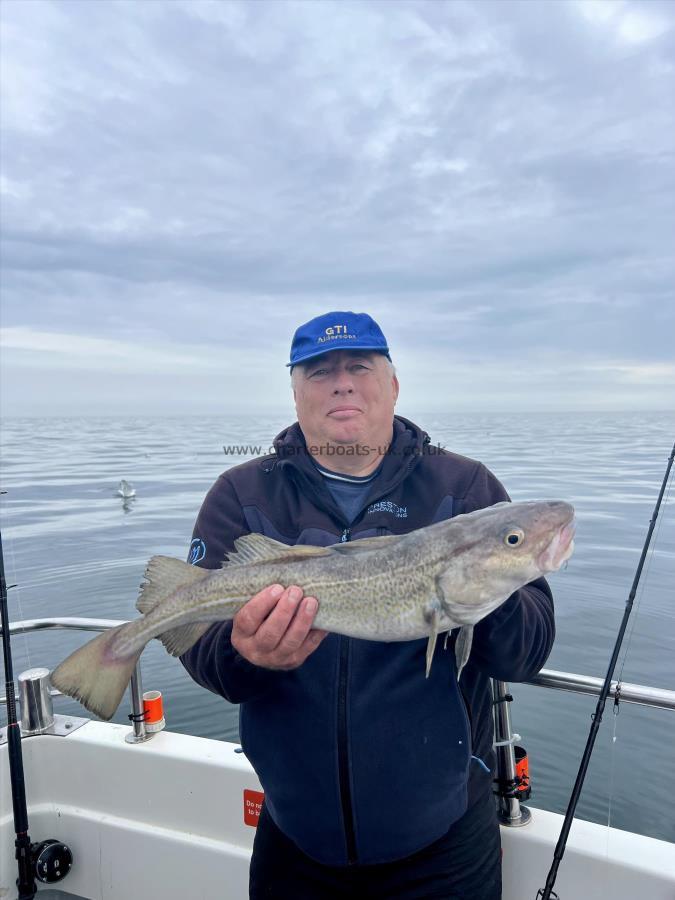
(559, 550)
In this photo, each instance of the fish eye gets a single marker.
(514, 537)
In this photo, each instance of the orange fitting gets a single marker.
(154, 711)
(522, 768)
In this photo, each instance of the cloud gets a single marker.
(72, 351)
(628, 23)
(196, 178)
(643, 373)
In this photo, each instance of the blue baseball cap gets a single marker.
(337, 331)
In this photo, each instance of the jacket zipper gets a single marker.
(469, 720)
(343, 753)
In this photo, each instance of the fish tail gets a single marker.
(96, 675)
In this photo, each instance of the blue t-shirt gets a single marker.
(348, 491)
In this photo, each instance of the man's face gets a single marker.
(346, 397)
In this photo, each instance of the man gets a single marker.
(377, 780)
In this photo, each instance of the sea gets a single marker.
(74, 547)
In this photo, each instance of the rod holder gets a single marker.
(35, 700)
(511, 811)
(139, 733)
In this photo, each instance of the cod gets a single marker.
(392, 588)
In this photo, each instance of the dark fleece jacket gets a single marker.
(362, 759)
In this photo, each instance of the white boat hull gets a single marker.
(166, 819)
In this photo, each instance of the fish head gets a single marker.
(501, 548)
(524, 541)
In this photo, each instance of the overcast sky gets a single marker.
(183, 183)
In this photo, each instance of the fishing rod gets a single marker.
(546, 893)
(25, 882)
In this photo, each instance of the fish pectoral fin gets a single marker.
(463, 647)
(460, 613)
(179, 640)
(434, 618)
(251, 548)
(163, 576)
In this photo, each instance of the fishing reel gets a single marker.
(51, 860)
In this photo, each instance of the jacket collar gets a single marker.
(403, 455)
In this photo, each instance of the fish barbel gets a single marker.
(391, 588)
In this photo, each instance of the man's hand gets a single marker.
(274, 629)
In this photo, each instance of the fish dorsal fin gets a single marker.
(367, 545)
(163, 576)
(252, 548)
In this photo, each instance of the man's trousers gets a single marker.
(465, 864)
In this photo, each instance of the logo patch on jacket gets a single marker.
(197, 551)
(401, 512)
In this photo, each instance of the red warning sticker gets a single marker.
(253, 801)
